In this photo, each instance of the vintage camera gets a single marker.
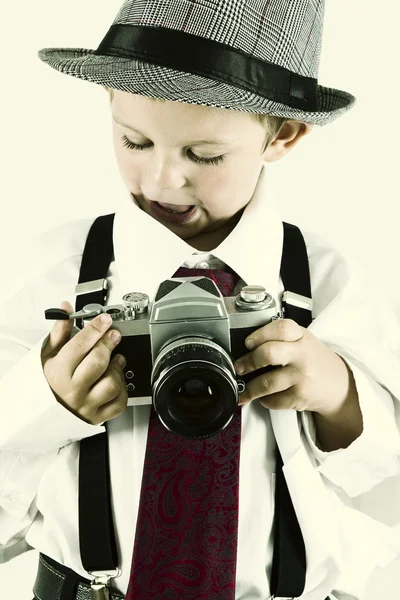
(181, 348)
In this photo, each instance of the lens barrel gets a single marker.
(195, 392)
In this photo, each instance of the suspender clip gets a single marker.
(99, 589)
(297, 300)
(88, 287)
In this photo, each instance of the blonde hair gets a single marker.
(271, 123)
(272, 126)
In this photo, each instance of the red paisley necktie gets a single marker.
(186, 534)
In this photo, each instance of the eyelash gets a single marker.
(215, 160)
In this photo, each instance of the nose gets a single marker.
(164, 172)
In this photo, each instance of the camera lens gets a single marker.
(195, 401)
(194, 387)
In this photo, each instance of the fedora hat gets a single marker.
(259, 56)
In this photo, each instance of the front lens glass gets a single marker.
(195, 401)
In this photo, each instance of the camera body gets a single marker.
(180, 350)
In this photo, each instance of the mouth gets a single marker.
(172, 213)
(175, 208)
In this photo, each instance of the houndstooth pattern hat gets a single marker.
(259, 56)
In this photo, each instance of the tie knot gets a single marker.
(225, 280)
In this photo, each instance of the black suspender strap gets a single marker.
(96, 527)
(289, 559)
(296, 300)
(96, 531)
(97, 256)
(98, 253)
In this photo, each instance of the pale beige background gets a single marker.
(57, 160)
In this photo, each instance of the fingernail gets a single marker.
(115, 336)
(250, 343)
(121, 360)
(105, 319)
(240, 369)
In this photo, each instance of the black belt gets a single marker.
(56, 582)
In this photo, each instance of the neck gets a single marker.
(207, 241)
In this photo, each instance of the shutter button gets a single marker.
(253, 293)
(253, 297)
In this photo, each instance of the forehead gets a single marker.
(180, 119)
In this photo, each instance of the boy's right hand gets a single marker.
(80, 372)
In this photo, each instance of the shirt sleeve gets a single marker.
(34, 425)
(45, 275)
(20, 476)
(372, 457)
(347, 319)
(36, 421)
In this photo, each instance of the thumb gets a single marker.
(60, 334)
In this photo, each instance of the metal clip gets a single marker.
(99, 589)
(88, 287)
(297, 300)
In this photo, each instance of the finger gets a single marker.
(269, 384)
(83, 342)
(97, 361)
(109, 396)
(285, 400)
(60, 333)
(114, 408)
(269, 353)
(283, 330)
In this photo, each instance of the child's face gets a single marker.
(201, 162)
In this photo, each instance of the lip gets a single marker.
(162, 214)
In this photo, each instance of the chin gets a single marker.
(183, 232)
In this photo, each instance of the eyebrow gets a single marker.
(194, 143)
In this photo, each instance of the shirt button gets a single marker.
(203, 265)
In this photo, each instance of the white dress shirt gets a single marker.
(39, 438)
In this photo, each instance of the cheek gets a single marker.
(231, 188)
(126, 165)
(124, 160)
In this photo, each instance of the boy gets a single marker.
(200, 188)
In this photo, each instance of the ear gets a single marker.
(286, 139)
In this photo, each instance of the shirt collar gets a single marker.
(147, 253)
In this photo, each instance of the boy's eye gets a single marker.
(132, 146)
(215, 160)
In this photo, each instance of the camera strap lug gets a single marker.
(241, 385)
(279, 315)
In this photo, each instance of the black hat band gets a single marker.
(193, 54)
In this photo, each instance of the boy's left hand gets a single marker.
(309, 375)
